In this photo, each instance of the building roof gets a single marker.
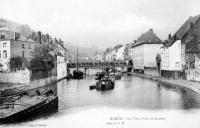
(182, 30)
(186, 26)
(128, 46)
(148, 37)
(10, 35)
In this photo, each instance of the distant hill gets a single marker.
(25, 30)
(16, 27)
(82, 51)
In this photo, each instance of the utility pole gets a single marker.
(77, 60)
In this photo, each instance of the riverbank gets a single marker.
(194, 86)
(16, 89)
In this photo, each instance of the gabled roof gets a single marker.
(148, 37)
(182, 30)
(128, 46)
(186, 26)
(117, 47)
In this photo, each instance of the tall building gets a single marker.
(144, 52)
(12, 44)
(181, 52)
(98, 57)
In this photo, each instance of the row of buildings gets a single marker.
(118, 53)
(180, 52)
(15, 44)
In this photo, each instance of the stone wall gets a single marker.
(22, 76)
(193, 75)
(43, 81)
(151, 71)
(61, 67)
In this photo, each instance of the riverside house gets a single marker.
(181, 52)
(144, 51)
(107, 55)
(99, 56)
(128, 52)
(13, 44)
(110, 55)
(120, 56)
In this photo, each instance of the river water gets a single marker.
(130, 92)
(134, 102)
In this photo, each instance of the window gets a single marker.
(2, 36)
(4, 44)
(23, 53)
(5, 54)
(23, 46)
(29, 46)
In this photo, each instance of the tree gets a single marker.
(17, 63)
(42, 59)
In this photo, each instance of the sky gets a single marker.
(100, 23)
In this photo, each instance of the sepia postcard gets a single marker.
(99, 64)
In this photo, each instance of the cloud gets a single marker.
(101, 22)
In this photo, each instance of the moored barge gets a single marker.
(27, 105)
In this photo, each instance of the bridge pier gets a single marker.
(86, 69)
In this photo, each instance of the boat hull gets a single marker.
(118, 77)
(77, 74)
(108, 86)
(43, 107)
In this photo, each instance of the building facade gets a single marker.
(120, 56)
(110, 54)
(12, 45)
(181, 52)
(144, 53)
(99, 56)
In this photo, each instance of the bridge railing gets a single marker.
(100, 64)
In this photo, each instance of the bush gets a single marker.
(41, 64)
(17, 63)
(42, 60)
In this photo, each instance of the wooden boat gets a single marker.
(22, 107)
(116, 75)
(106, 83)
(100, 75)
(77, 74)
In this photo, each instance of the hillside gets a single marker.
(16, 27)
(82, 51)
(25, 30)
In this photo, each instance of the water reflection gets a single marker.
(190, 99)
(129, 92)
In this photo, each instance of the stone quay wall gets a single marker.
(21, 76)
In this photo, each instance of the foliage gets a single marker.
(42, 59)
(42, 50)
(17, 63)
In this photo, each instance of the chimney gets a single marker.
(151, 29)
(175, 37)
(39, 37)
(169, 36)
(191, 24)
(48, 40)
(17, 36)
(190, 17)
(60, 41)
